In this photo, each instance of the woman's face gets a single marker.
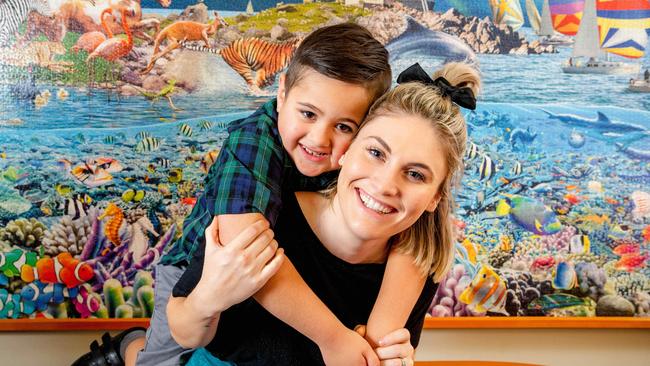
(390, 175)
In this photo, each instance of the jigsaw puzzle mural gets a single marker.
(111, 113)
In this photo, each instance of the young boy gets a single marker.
(293, 143)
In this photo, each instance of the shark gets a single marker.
(634, 153)
(417, 39)
(602, 127)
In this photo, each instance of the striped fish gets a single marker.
(142, 135)
(148, 144)
(516, 169)
(77, 206)
(486, 292)
(185, 129)
(487, 168)
(208, 159)
(205, 125)
(472, 152)
(163, 162)
(109, 140)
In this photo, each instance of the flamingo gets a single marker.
(114, 48)
(90, 40)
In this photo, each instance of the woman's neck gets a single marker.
(324, 217)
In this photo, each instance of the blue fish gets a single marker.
(418, 39)
(530, 214)
(11, 307)
(524, 137)
(576, 140)
(634, 153)
(601, 127)
(41, 294)
(565, 277)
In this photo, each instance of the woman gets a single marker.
(393, 193)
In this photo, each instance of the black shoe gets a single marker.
(108, 354)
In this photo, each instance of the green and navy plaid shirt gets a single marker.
(249, 175)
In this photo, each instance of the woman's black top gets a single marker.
(249, 335)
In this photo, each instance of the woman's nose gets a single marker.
(386, 181)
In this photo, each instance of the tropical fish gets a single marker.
(486, 292)
(190, 201)
(594, 219)
(572, 198)
(641, 204)
(11, 262)
(61, 269)
(529, 214)
(579, 244)
(80, 138)
(516, 169)
(132, 195)
(86, 175)
(41, 294)
(62, 94)
(543, 263)
(11, 307)
(142, 135)
(472, 152)
(205, 125)
(524, 137)
(618, 232)
(595, 187)
(645, 233)
(63, 189)
(208, 159)
(148, 144)
(77, 205)
(109, 140)
(164, 189)
(625, 249)
(189, 160)
(631, 262)
(555, 301)
(108, 164)
(151, 168)
(175, 175)
(86, 302)
(576, 140)
(565, 277)
(505, 243)
(185, 129)
(163, 162)
(487, 168)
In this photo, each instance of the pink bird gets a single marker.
(90, 40)
(114, 48)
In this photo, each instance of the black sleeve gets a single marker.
(416, 320)
(192, 274)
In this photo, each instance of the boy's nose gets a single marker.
(319, 135)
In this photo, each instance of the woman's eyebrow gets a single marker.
(387, 148)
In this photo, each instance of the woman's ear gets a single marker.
(341, 160)
(434, 203)
(282, 95)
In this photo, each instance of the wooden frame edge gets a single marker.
(537, 323)
(39, 325)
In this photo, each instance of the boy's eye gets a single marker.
(308, 114)
(415, 175)
(344, 128)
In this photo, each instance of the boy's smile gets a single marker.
(318, 119)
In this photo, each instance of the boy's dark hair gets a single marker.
(346, 52)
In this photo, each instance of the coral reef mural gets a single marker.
(112, 112)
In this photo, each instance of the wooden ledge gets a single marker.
(429, 323)
(537, 323)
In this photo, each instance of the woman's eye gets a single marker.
(416, 175)
(376, 153)
(308, 114)
(344, 128)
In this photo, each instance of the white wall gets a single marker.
(543, 346)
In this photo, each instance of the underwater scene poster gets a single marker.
(112, 112)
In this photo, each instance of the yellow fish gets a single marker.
(175, 175)
(505, 243)
(63, 189)
(486, 292)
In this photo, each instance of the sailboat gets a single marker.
(619, 27)
(533, 16)
(547, 34)
(507, 12)
(249, 8)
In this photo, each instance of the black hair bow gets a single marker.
(462, 96)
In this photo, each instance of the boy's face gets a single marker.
(317, 120)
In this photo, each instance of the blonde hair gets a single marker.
(430, 240)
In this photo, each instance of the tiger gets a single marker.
(256, 60)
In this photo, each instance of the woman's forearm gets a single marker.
(190, 324)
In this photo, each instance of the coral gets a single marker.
(130, 302)
(591, 280)
(588, 309)
(497, 257)
(70, 235)
(12, 204)
(641, 301)
(522, 290)
(113, 296)
(627, 284)
(445, 303)
(598, 260)
(134, 214)
(23, 232)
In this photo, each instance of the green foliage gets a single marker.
(304, 19)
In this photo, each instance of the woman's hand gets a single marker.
(394, 349)
(233, 273)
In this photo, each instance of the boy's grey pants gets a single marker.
(161, 349)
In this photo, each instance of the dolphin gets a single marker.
(634, 153)
(418, 39)
(523, 136)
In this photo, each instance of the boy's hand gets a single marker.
(349, 349)
(233, 273)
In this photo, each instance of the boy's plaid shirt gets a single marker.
(248, 176)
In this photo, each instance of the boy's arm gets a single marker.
(287, 297)
(400, 289)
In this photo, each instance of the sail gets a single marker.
(623, 26)
(533, 15)
(507, 12)
(566, 15)
(546, 27)
(587, 40)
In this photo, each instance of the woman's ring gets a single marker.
(404, 362)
